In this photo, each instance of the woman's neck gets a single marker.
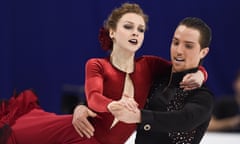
(124, 61)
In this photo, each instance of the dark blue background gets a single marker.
(44, 44)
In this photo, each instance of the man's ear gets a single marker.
(204, 52)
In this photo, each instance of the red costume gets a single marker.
(104, 83)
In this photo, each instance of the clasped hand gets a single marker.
(125, 110)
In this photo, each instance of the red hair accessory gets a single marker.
(104, 39)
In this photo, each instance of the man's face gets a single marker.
(186, 51)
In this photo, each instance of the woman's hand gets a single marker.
(80, 121)
(192, 80)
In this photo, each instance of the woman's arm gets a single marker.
(161, 67)
(94, 86)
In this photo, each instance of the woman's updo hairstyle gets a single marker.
(112, 20)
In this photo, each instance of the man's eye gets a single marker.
(189, 46)
(175, 43)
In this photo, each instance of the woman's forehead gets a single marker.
(132, 18)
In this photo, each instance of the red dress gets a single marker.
(104, 83)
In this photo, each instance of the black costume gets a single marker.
(174, 116)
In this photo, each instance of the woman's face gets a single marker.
(186, 52)
(129, 33)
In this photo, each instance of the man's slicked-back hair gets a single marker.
(202, 27)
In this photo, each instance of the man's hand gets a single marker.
(192, 80)
(80, 121)
(126, 101)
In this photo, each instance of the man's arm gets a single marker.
(195, 111)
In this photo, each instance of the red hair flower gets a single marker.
(104, 39)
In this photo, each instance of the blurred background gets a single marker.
(44, 44)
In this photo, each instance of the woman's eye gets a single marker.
(127, 26)
(141, 30)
